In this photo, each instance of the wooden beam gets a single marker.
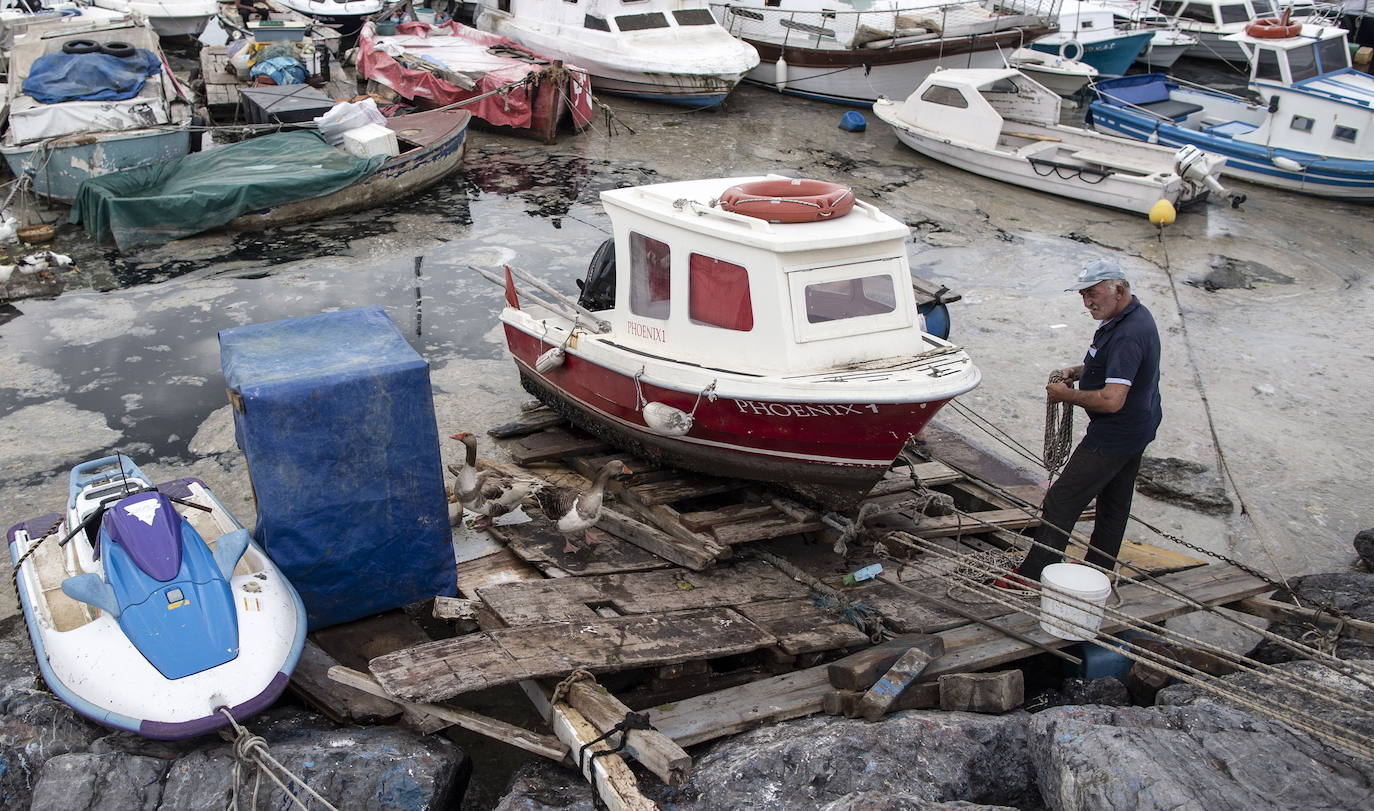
(1278, 611)
(693, 555)
(659, 754)
(481, 724)
(342, 704)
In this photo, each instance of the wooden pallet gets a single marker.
(222, 85)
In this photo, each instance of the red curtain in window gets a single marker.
(719, 294)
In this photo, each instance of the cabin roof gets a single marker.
(687, 204)
(1309, 35)
(976, 78)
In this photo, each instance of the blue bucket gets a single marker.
(853, 121)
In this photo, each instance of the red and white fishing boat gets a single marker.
(757, 327)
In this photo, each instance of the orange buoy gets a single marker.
(785, 200)
(1274, 27)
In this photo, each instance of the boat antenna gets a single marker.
(123, 477)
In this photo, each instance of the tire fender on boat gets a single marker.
(789, 200)
(1077, 50)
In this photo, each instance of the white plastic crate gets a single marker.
(369, 140)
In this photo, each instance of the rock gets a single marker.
(1364, 547)
(34, 725)
(1237, 274)
(1179, 481)
(541, 785)
(1319, 678)
(982, 692)
(114, 781)
(1185, 757)
(882, 801)
(352, 767)
(1351, 592)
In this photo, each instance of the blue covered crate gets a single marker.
(335, 416)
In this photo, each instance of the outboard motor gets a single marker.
(1199, 168)
(598, 292)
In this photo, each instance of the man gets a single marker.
(1119, 388)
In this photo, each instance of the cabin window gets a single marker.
(1170, 7)
(503, 5)
(595, 23)
(650, 277)
(1267, 65)
(948, 96)
(1334, 55)
(641, 22)
(693, 16)
(1235, 13)
(772, 3)
(1301, 123)
(574, 2)
(850, 298)
(1001, 86)
(746, 13)
(1344, 133)
(718, 294)
(818, 30)
(1085, 25)
(1264, 8)
(1202, 14)
(1302, 63)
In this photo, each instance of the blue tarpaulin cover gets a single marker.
(337, 424)
(58, 77)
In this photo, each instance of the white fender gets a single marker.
(665, 420)
(780, 73)
(550, 360)
(1287, 164)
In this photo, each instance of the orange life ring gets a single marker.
(789, 200)
(1273, 28)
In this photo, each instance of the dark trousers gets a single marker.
(1088, 475)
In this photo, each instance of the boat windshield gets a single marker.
(1237, 13)
(850, 298)
(1302, 63)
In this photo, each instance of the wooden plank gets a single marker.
(984, 521)
(664, 518)
(528, 423)
(443, 669)
(341, 703)
(1150, 559)
(572, 599)
(930, 474)
(489, 570)
(729, 514)
(677, 489)
(859, 671)
(553, 444)
(880, 697)
(693, 555)
(474, 722)
(613, 781)
(1279, 611)
(540, 543)
(734, 710)
(969, 647)
(801, 626)
(656, 751)
(763, 529)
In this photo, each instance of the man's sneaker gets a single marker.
(1014, 581)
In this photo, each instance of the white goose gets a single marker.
(488, 494)
(576, 512)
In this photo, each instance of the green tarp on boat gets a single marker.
(176, 198)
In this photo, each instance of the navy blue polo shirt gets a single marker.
(1125, 349)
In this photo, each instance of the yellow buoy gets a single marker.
(1162, 213)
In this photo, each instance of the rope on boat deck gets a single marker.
(251, 751)
(33, 547)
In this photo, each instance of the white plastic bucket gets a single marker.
(426, 15)
(1071, 600)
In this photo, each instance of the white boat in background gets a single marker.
(61, 144)
(1212, 21)
(345, 15)
(169, 18)
(1313, 133)
(1003, 125)
(1064, 76)
(1166, 45)
(16, 19)
(856, 52)
(1090, 34)
(662, 50)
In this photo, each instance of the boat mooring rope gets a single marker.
(251, 751)
(1058, 429)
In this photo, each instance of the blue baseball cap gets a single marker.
(1098, 270)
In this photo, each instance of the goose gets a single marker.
(488, 494)
(575, 512)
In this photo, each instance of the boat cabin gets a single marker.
(972, 106)
(611, 16)
(708, 287)
(1317, 51)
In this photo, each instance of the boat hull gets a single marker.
(93, 667)
(1334, 178)
(75, 158)
(830, 452)
(1111, 57)
(405, 175)
(860, 76)
(1162, 56)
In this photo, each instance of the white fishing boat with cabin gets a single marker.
(669, 51)
(1003, 125)
(854, 52)
(169, 18)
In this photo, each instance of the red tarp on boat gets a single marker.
(465, 51)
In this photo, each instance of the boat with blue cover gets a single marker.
(150, 609)
(1313, 131)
